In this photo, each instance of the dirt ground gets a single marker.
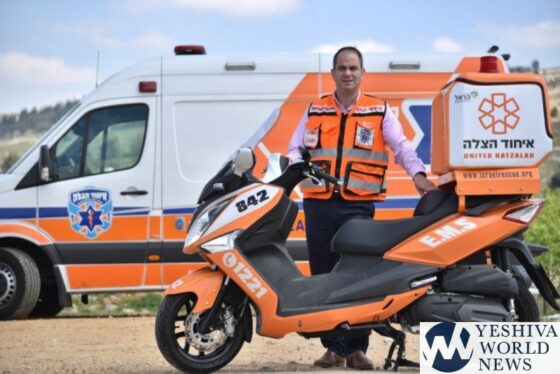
(127, 345)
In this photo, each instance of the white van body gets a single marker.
(128, 166)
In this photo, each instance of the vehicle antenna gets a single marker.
(97, 71)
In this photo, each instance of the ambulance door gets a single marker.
(98, 204)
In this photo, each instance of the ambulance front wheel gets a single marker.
(20, 283)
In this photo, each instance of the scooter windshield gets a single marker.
(214, 186)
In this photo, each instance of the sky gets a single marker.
(49, 49)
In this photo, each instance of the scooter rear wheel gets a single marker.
(526, 306)
(186, 348)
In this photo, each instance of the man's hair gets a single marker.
(348, 49)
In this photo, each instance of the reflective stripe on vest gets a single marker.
(351, 153)
(352, 183)
(367, 186)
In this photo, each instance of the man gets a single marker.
(346, 134)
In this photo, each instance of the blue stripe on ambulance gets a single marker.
(423, 116)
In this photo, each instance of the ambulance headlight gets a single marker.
(201, 223)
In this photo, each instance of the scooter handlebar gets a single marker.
(319, 173)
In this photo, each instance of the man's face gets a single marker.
(347, 73)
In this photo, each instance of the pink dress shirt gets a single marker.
(393, 136)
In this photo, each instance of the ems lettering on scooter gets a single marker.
(245, 275)
(446, 232)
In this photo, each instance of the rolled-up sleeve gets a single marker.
(297, 139)
(394, 137)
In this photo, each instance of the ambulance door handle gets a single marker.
(134, 192)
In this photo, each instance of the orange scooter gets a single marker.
(439, 265)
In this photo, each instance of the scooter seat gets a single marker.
(366, 237)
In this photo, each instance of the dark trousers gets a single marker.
(323, 218)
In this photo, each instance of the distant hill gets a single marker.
(28, 122)
(19, 131)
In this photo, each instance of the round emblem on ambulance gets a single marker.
(90, 211)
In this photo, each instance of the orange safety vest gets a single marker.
(349, 147)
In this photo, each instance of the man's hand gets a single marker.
(422, 183)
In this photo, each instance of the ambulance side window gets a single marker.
(102, 141)
(67, 153)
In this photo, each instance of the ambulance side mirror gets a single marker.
(45, 164)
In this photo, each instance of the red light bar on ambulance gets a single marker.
(190, 50)
(147, 86)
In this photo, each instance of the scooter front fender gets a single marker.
(205, 283)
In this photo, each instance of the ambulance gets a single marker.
(103, 201)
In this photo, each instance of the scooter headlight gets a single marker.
(221, 243)
(199, 226)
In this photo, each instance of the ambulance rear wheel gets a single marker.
(20, 283)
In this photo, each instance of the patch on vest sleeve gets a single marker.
(311, 138)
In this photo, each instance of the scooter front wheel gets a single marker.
(187, 348)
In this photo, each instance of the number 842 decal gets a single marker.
(252, 200)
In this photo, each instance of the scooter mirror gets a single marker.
(244, 160)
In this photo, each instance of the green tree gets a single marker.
(8, 161)
(555, 181)
(34, 121)
(545, 230)
(535, 66)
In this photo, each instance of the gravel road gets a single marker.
(127, 345)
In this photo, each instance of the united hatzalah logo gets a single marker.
(90, 211)
(499, 114)
(449, 347)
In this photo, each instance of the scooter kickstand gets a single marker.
(388, 360)
(398, 340)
